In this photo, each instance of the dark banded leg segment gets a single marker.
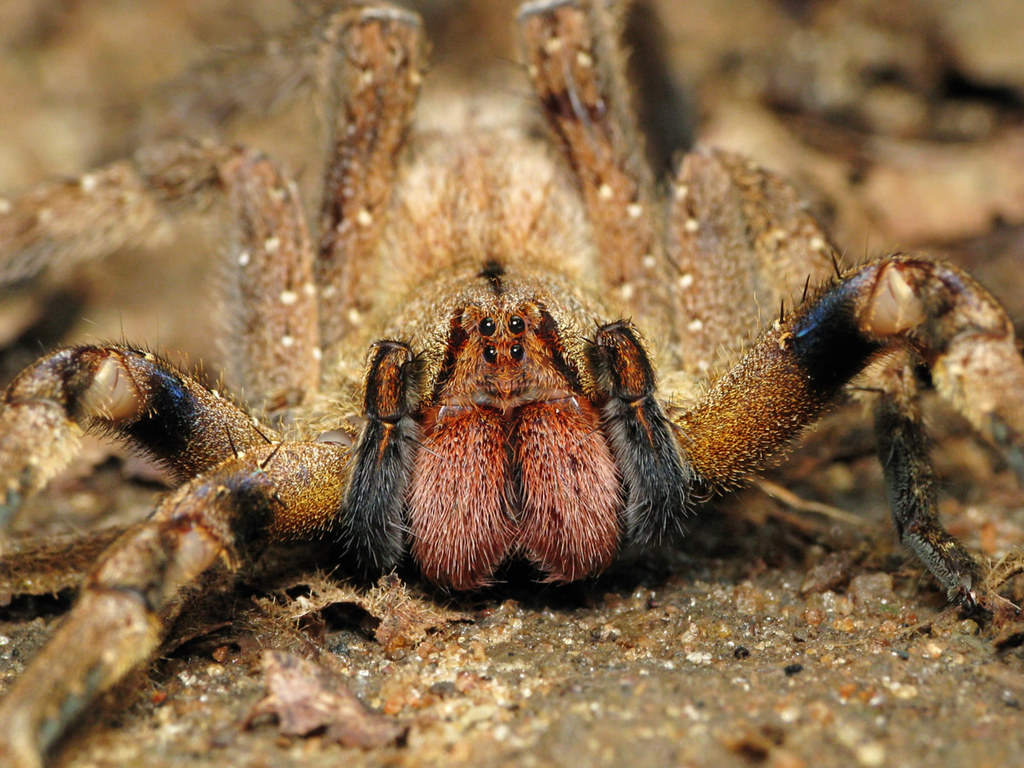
(129, 600)
(372, 524)
(797, 369)
(372, 75)
(127, 392)
(642, 438)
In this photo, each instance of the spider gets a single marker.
(558, 359)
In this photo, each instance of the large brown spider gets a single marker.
(541, 318)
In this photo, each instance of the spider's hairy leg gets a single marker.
(108, 208)
(910, 481)
(737, 235)
(224, 516)
(371, 79)
(371, 523)
(801, 364)
(275, 347)
(127, 392)
(574, 58)
(74, 220)
(641, 436)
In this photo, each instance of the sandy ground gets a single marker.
(773, 635)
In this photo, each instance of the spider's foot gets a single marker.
(964, 595)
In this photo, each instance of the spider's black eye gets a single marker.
(517, 351)
(490, 354)
(516, 324)
(487, 326)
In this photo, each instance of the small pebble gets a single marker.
(968, 627)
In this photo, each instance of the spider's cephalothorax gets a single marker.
(528, 427)
(508, 408)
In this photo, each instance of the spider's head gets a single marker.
(503, 354)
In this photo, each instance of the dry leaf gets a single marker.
(307, 698)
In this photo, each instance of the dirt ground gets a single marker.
(789, 629)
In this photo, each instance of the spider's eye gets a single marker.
(517, 351)
(516, 324)
(490, 354)
(487, 326)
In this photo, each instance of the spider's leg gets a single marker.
(274, 295)
(575, 61)
(275, 346)
(910, 481)
(224, 516)
(740, 240)
(800, 365)
(116, 389)
(68, 221)
(371, 523)
(372, 74)
(108, 208)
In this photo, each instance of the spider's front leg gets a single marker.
(243, 489)
(911, 485)
(116, 389)
(224, 516)
(931, 309)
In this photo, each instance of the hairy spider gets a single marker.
(509, 407)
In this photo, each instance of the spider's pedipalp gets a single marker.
(655, 475)
(371, 524)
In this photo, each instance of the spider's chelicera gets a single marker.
(509, 409)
